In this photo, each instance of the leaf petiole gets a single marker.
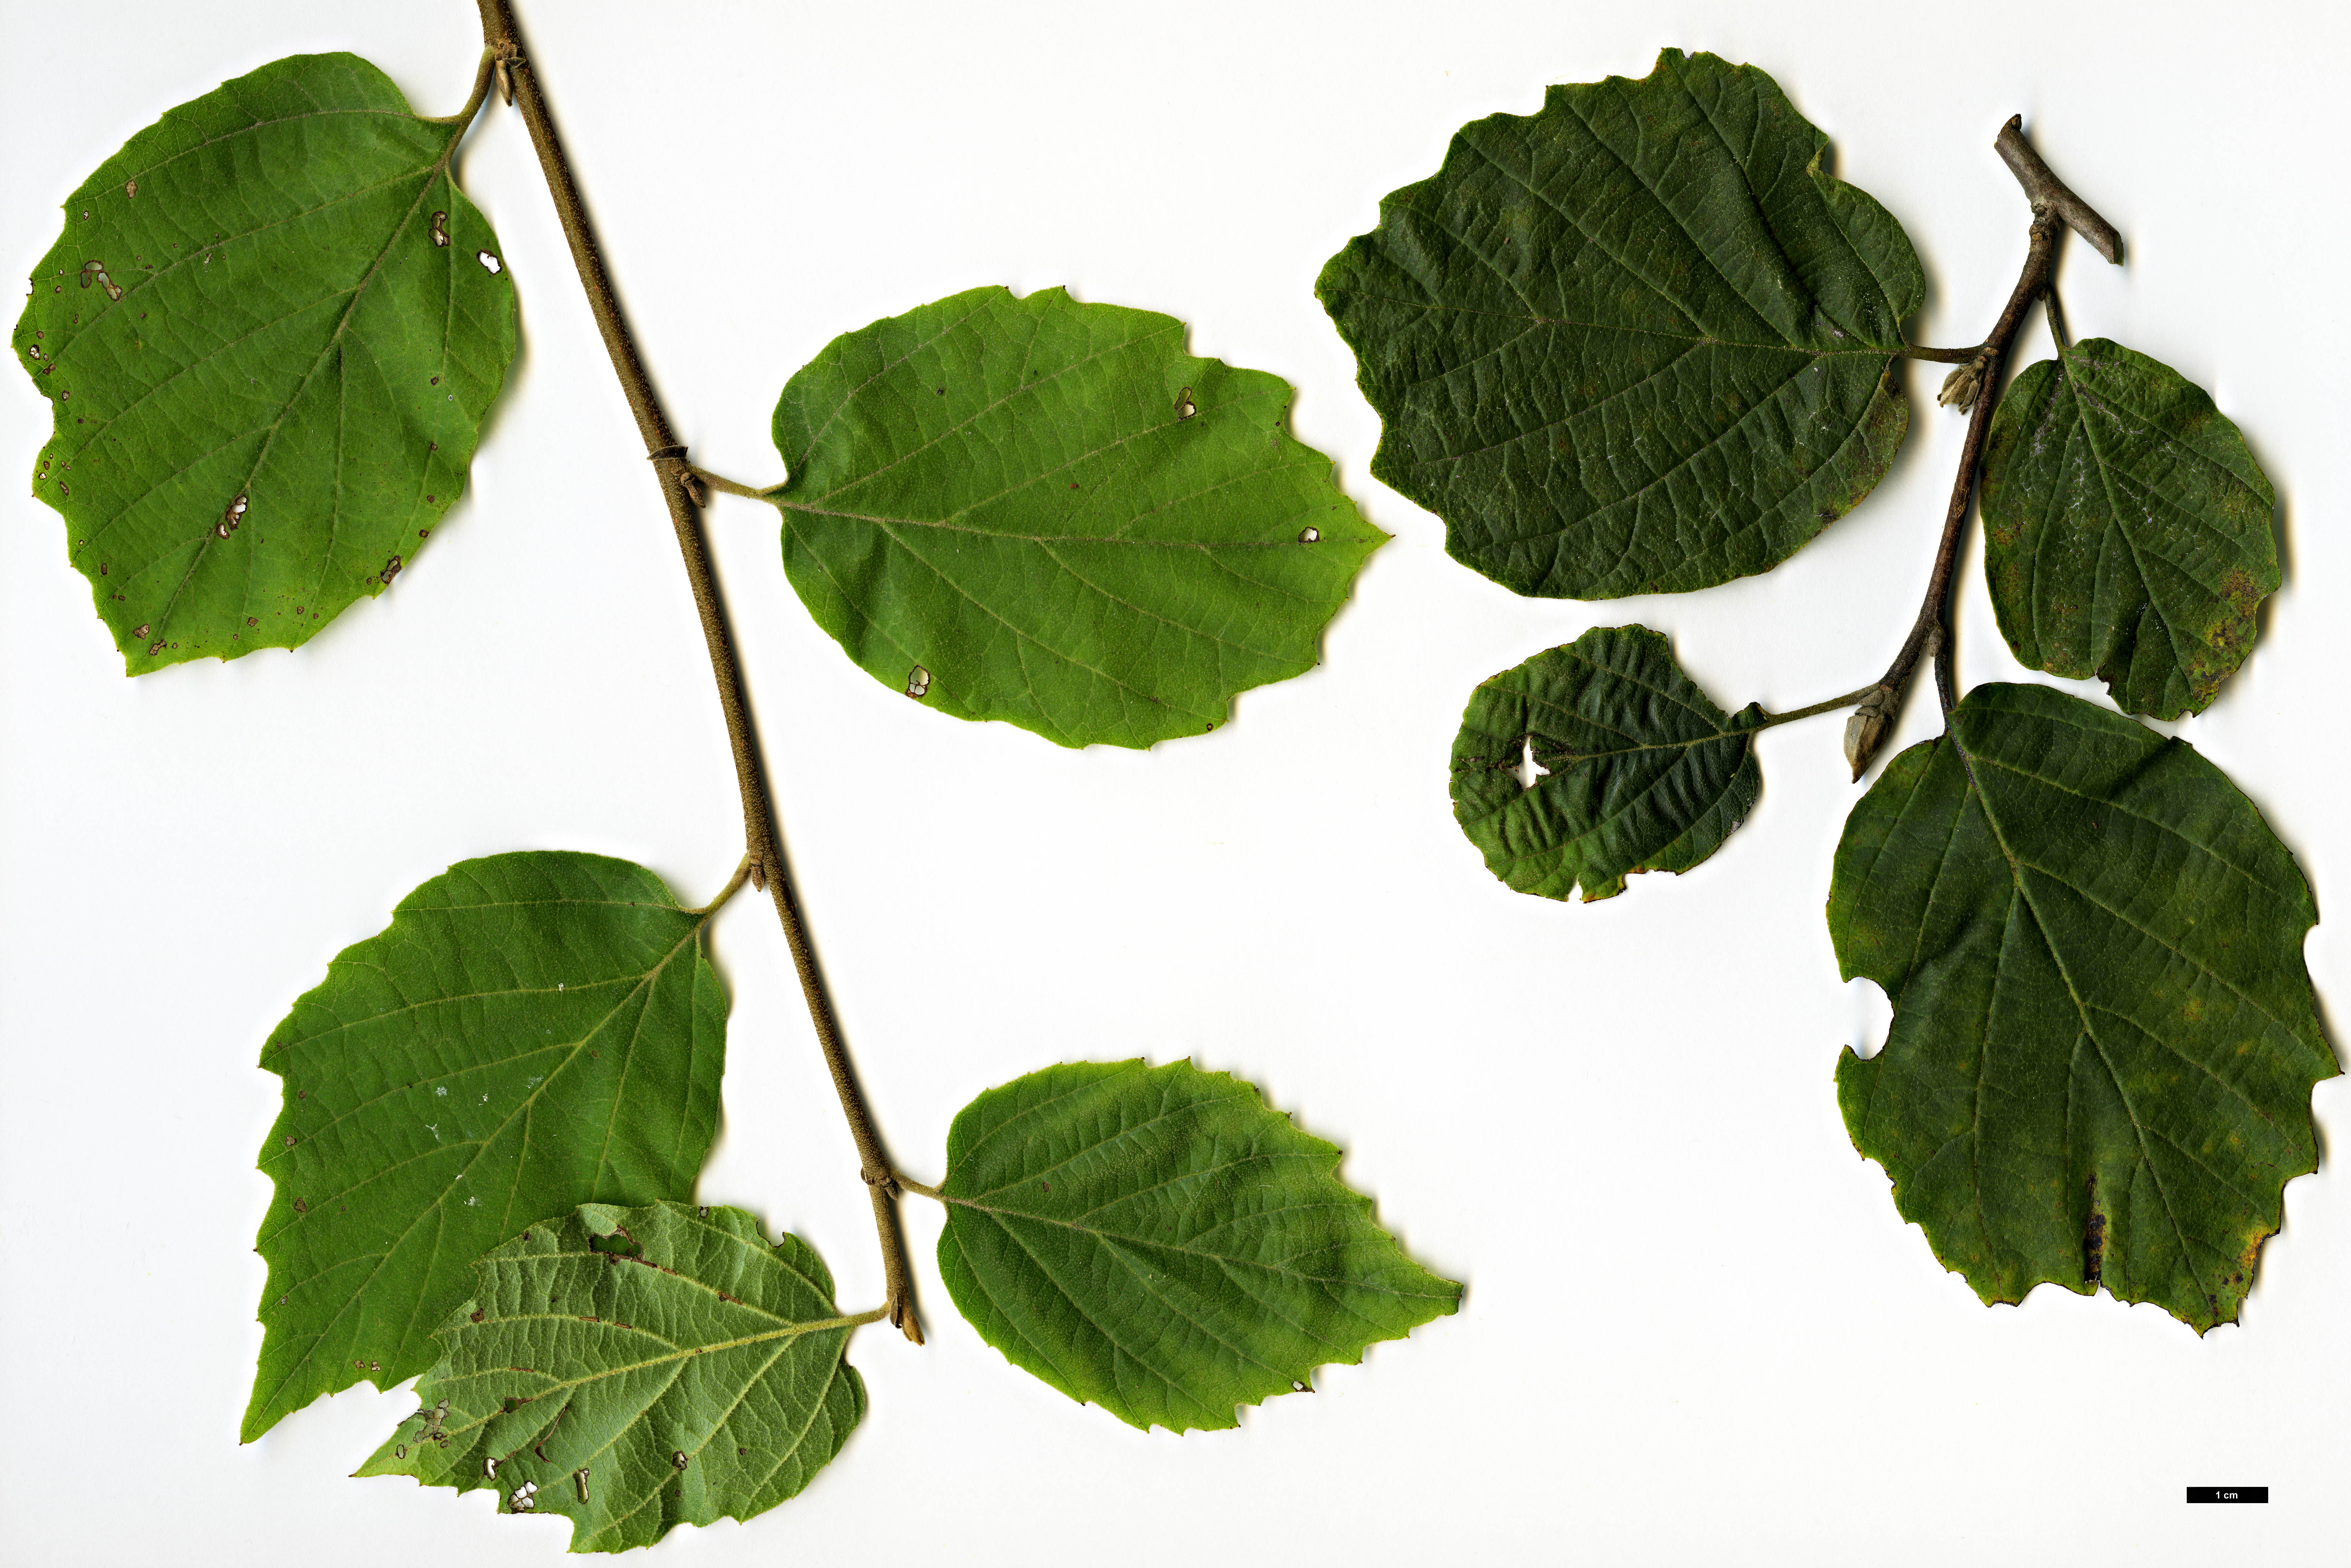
(732, 487)
(743, 871)
(473, 100)
(1848, 700)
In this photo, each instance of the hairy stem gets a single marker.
(1976, 387)
(767, 868)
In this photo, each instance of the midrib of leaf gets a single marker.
(786, 1330)
(327, 349)
(1127, 1135)
(1143, 1287)
(2179, 661)
(977, 414)
(1694, 337)
(2081, 1012)
(1794, 280)
(1607, 508)
(1787, 264)
(890, 526)
(523, 1109)
(1651, 788)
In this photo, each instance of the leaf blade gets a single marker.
(2046, 1102)
(435, 1085)
(1643, 771)
(1616, 354)
(1046, 512)
(682, 1371)
(269, 345)
(2126, 528)
(1219, 1262)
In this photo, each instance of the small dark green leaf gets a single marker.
(531, 1032)
(2103, 1036)
(1047, 512)
(270, 333)
(2126, 528)
(635, 1369)
(1158, 1241)
(1639, 343)
(1634, 768)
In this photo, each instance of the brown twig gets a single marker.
(1975, 387)
(768, 868)
(2046, 192)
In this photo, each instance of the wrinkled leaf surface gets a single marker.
(1634, 768)
(1047, 512)
(1638, 342)
(2126, 528)
(1155, 1241)
(2103, 1038)
(636, 1369)
(269, 334)
(532, 1031)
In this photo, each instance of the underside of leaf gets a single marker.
(1638, 342)
(2103, 1040)
(635, 1369)
(2126, 528)
(1048, 513)
(270, 333)
(1159, 1242)
(1598, 760)
(533, 1031)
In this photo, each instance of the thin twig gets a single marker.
(503, 38)
(1976, 387)
(1930, 633)
(2047, 193)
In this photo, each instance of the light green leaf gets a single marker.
(2103, 1036)
(270, 332)
(531, 1032)
(2126, 528)
(1156, 1240)
(1634, 768)
(1639, 343)
(635, 1369)
(1047, 512)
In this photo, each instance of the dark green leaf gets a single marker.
(1636, 769)
(2103, 1038)
(2127, 530)
(1638, 342)
(1047, 512)
(531, 1032)
(1154, 1239)
(270, 332)
(635, 1369)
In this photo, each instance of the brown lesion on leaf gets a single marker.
(2093, 1241)
(2242, 592)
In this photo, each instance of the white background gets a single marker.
(1695, 1330)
